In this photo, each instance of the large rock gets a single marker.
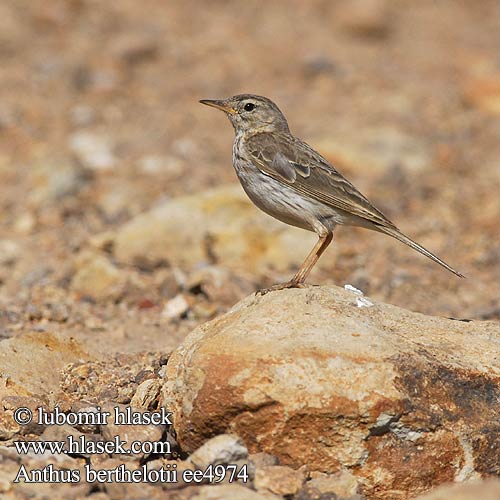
(30, 375)
(215, 225)
(402, 400)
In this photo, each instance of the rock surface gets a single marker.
(216, 225)
(97, 278)
(226, 491)
(223, 449)
(130, 433)
(31, 366)
(44, 352)
(484, 490)
(404, 401)
(279, 479)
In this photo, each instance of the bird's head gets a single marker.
(249, 113)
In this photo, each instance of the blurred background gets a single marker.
(100, 124)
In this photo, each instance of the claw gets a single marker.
(281, 286)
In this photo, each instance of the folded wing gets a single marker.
(293, 162)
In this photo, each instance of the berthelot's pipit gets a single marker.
(292, 182)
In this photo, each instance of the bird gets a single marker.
(287, 179)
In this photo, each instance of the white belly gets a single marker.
(284, 203)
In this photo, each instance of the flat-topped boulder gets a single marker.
(318, 377)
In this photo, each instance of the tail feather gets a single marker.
(395, 233)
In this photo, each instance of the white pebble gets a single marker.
(175, 307)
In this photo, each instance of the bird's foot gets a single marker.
(281, 286)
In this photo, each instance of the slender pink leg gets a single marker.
(306, 267)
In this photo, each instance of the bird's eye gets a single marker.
(249, 106)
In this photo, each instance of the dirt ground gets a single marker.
(100, 121)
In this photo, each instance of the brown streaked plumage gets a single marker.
(289, 180)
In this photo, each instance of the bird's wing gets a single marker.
(291, 161)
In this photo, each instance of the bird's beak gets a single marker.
(219, 105)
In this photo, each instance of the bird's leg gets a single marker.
(312, 258)
(298, 280)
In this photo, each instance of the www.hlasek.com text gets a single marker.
(85, 446)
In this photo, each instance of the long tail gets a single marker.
(395, 233)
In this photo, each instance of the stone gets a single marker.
(215, 225)
(180, 466)
(279, 479)
(343, 483)
(11, 463)
(118, 490)
(401, 399)
(93, 150)
(149, 433)
(52, 181)
(484, 490)
(176, 307)
(96, 277)
(225, 491)
(218, 284)
(62, 433)
(9, 428)
(90, 426)
(263, 459)
(48, 352)
(223, 449)
(146, 394)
